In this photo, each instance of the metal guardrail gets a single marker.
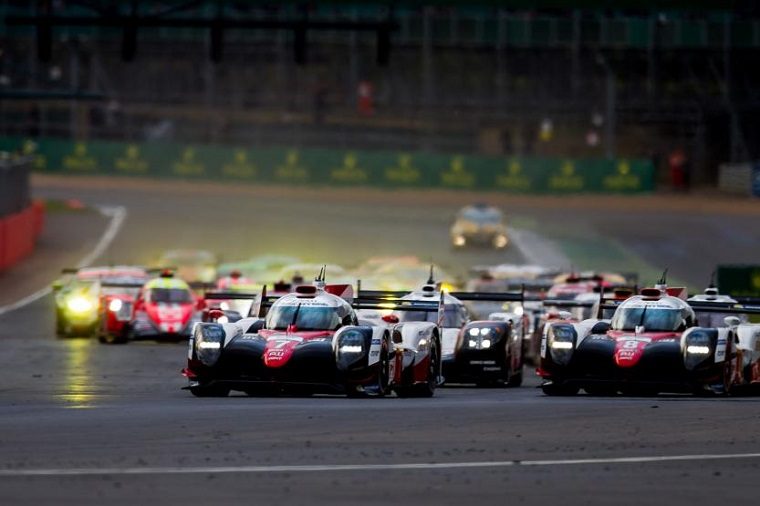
(14, 184)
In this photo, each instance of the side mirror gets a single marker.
(390, 318)
(640, 329)
(732, 321)
(200, 304)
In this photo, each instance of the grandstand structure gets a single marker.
(491, 77)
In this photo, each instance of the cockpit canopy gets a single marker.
(667, 314)
(325, 312)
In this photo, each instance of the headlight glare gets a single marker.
(115, 305)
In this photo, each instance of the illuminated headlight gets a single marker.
(698, 347)
(351, 342)
(115, 305)
(79, 304)
(519, 311)
(481, 338)
(500, 241)
(459, 240)
(224, 306)
(223, 319)
(423, 342)
(209, 339)
(561, 343)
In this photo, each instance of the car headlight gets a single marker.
(115, 305)
(500, 241)
(352, 348)
(209, 340)
(79, 304)
(481, 338)
(224, 306)
(459, 240)
(698, 346)
(561, 343)
(351, 342)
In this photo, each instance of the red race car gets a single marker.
(165, 308)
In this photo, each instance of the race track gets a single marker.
(84, 423)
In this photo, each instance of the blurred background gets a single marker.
(669, 83)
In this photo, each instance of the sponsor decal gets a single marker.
(376, 341)
(188, 165)
(131, 162)
(350, 172)
(292, 170)
(240, 166)
(404, 172)
(482, 362)
(622, 179)
(514, 178)
(458, 176)
(567, 179)
(30, 148)
(80, 160)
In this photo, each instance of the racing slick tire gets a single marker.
(559, 389)
(379, 385)
(209, 391)
(426, 389)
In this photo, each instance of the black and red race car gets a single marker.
(312, 341)
(651, 344)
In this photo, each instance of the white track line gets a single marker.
(366, 467)
(117, 216)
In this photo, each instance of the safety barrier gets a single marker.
(21, 220)
(14, 184)
(18, 234)
(338, 168)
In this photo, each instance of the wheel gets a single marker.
(378, 387)
(209, 391)
(559, 389)
(426, 389)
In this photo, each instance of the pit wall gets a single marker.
(279, 165)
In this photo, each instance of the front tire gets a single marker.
(426, 389)
(378, 387)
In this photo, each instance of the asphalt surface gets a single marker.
(84, 423)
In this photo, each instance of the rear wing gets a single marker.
(750, 306)
(261, 301)
(381, 295)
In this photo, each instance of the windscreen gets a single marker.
(491, 216)
(303, 317)
(170, 295)
(652, 319)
